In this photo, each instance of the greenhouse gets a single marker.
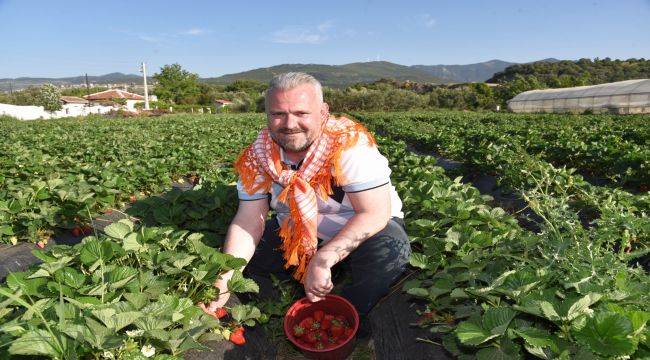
(622, 97)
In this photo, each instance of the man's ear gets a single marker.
(325, 111)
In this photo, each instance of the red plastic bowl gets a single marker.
(332, 304)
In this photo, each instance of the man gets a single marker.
(331, 190)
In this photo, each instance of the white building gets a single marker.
(622, 97)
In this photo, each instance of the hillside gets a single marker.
(466, 73)
(589, 72)
(337, 75)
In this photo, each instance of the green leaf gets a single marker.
(30, 287)
(507, 350)
(116, 321)
(496, 320)
(35, 342)
(241, 313)
(93, 250)
(638, 320)
(470, 333)
(418, 260)
(239, 284)
(538, 338)
(183, 261)
(71, 277)
(607, 334)
(138, 300)
(453, 237)
(39, 273)
(131, 243)
(519, 283)
(128, 223)
(37, 307)
(6, 230)
(419, 292)
(458, 293)
(581, 306)
(549, 311)
(150, 323)
(117, 230)
(121, 276)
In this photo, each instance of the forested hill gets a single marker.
(573, 73)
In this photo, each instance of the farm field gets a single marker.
(573, 288)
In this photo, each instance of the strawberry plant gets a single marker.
(134, 287)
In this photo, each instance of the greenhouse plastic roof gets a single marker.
(638, 86)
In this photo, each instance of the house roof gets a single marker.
(221, 101)
(114, 94)
(73, 100)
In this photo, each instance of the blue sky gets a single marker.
(212, 38)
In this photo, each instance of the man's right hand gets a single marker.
(212, 306)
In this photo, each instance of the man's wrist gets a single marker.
(326, 258)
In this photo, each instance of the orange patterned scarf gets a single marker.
(260, 165)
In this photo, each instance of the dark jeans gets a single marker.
(374, 266)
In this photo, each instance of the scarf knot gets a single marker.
(287, 177)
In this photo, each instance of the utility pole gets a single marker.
(11, 87)
(87, 85)
(146, 90)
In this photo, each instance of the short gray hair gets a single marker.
(291, 80)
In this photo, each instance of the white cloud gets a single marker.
(324, 26)
(427, 20)
(303, 35)
(194, 31)
(148, 38)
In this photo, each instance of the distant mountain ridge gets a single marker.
(365, 72)
(112, 78)
(337, 75)
(466, 73)
(329, 75)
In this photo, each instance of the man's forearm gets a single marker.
(240, 242)
(357, 230)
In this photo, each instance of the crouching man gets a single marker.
(331, 190)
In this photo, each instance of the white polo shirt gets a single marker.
(363, 167)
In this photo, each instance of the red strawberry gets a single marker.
(132, 199)
(319, 346)
(307, 322)
(76, 231)
(298, 331)
(237, 338)
(319, 315)
(220, 312)
(87, 230)
(347, 332)
(327, 321)
(311, 337)
(337, 329)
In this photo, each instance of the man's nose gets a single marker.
(291, 121)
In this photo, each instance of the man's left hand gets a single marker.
(318, 281)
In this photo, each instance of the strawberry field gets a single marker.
(572, 286)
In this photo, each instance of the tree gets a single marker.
(177, 85)
(49, 97)
(249, 86)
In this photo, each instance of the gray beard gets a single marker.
(287, 148)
